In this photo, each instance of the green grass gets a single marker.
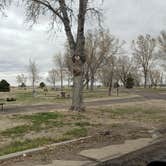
(26, 97)
(121, 111)
(43, 121)
(43, 117)
(15, 131)
(135, 113)
(37, 122)
(17, 146)
(77, 132)
(78, 125)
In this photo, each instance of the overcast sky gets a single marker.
(126, 19)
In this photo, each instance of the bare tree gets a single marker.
(108, 71)
(21, 80)
(143, 51)
(52, 77)
(4, 4)
(162, 46)
(111, 62)
(64, 12)
(137, 76)
(33, 74)
(124, 66)
(97, 48)
(59, 61)
(155, 77)
(112, 76)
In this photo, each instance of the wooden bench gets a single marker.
(2, 107)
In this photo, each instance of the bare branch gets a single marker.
(97, 13)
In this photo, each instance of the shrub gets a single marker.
(130, 81)
(116, 85)
(23, 85)
(4, 86)
(10, 99)
(42, 85)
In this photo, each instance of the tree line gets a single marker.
(108, 63)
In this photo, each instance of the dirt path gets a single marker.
(44, 107)
(151, 94)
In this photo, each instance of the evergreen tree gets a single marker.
(4, 86)
(130, 81)
(42, 85)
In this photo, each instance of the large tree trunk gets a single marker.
(79, 60)
(77, 97)
(77, 52)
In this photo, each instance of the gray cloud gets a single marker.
(125, 18)
(128, 18)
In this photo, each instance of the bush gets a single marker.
(42, 85)
(116, 85)
(23, 85)
(130, 81)
(10, 99)
(4, 86)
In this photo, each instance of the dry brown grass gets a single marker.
(134, 116)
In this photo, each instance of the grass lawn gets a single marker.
(24, 97)
(38, 129)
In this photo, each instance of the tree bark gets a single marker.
(87, 84)
(77, 97)
(87, 80)
(92, 84)
(79, 60)
(110, 88)
(61, 80)
(111, 82)
(145, 79)
(33, 89)
(76, 51)
(68, 82)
